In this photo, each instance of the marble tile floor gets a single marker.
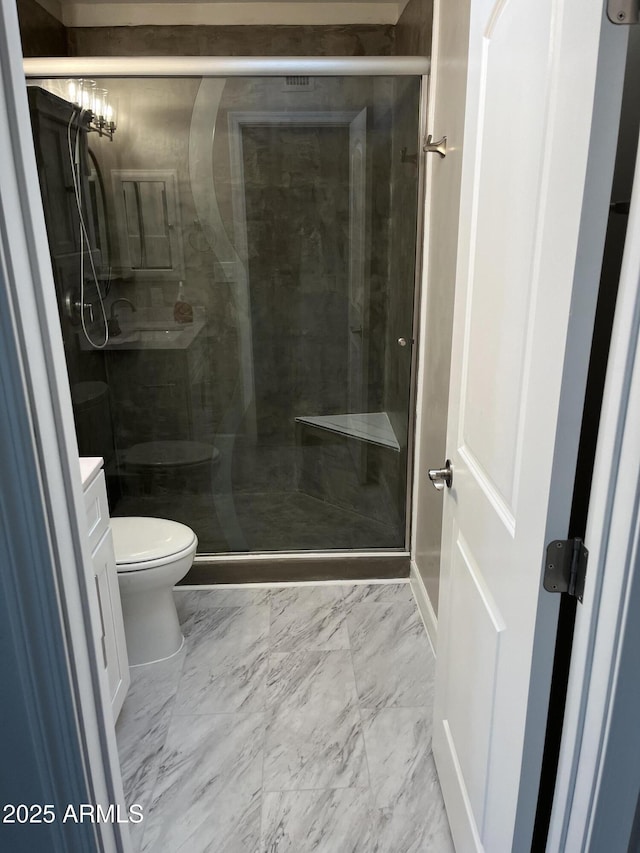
(294, 719)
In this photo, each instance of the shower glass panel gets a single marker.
(254, 244)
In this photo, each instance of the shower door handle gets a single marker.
(441, 477)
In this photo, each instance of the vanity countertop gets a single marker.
(151, 335)
(89, 467)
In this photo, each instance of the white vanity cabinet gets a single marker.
(111, 629)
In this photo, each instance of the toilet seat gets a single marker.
(146, 543)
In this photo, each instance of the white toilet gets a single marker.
(152, 555)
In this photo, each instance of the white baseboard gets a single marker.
(425, 607)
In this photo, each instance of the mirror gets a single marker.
(147, 220)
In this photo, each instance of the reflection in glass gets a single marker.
(260, 241)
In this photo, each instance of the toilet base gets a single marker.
(151, 625)
(159, 660)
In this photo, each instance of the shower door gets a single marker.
(276, 417)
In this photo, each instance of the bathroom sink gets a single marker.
(127, 338)
(160, 327)
(154, 334)
(158, 336)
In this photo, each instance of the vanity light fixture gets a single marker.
(85, 94)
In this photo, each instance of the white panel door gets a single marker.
(518, 354)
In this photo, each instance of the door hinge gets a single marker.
(565, 568)
(623, 11)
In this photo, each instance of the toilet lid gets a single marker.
(140, 540)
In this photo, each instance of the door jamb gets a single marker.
(598, 676)
(42, 382)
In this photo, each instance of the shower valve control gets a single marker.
(75, 307)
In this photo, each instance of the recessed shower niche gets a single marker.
(236, 298)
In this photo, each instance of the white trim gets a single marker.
(417, 326)
(612, 536)
(226, 66)
(421, 403)
(220, 13)
(428, 614)
(45, 384)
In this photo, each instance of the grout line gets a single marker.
(358, 705)
(266, 724)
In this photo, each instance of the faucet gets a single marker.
(113, 324)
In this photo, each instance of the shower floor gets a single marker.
(294, 719)
(266, 521)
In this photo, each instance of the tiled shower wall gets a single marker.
(294, 282)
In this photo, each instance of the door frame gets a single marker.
(34, 378)
(419, 486)
(602, 137)
(44, 373)
(594, 800)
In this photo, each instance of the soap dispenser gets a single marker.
(182, 311)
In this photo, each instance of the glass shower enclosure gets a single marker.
(235, 264)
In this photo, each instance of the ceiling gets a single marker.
(110, 13)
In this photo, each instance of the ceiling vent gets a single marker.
(297, 84)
